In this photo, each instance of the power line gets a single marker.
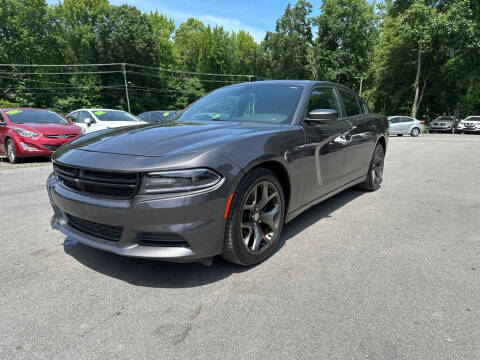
(58, 88)
(131, 65)
(61, 73)
(181, 78)
(56, 65)
(186, 72)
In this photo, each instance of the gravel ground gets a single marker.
(392, 274)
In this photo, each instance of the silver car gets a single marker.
(470, 124)
(405, 125)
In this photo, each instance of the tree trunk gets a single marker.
(417, 86)
(470, 85)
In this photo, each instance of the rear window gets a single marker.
(18, 116)
(113, 115)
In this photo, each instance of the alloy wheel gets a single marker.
(377, 166)
(415, 132)
(260, 218)
(11, 151)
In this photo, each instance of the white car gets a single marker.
(470, 124)
(91, 120)
(405, 125)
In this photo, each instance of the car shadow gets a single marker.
(160, 274)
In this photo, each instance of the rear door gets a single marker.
(326, 144)
(361, 137)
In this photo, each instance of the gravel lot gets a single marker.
(393, 274)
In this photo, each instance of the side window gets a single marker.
(351, 104)
(83, 115)
(395, 120)
(323, 98)
(405, 119)
(73, 116)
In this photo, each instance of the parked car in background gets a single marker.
(405, 125)
(444, 124)
(470, 124)
(223, 177)
(157, 115)
(33, 132)
(91, 120)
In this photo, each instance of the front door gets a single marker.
(326, 146)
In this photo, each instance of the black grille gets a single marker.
(164, 240)
(103, 231)
(52, 148)
(107, 184)
(65, 136)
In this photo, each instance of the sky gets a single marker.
(253, 16)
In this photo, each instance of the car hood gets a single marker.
(169, 138)
(50, 128)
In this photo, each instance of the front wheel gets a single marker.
(255, 219)
(415, 132)
(375, 172)
(11, 152)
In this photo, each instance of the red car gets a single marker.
(33, 132)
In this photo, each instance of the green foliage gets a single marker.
(414, 56)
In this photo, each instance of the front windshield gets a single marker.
(444, 118)
(473, 118)
(114, 115)
(34, 116)
(259, 103)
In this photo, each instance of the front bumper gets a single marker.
(196, 219)
(40, 146)
(441, 128)
(469, 129)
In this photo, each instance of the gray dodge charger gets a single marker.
(222, 177)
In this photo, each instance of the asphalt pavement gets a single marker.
(393, 274)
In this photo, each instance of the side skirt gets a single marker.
(291, 215)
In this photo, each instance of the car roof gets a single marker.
(310, 83)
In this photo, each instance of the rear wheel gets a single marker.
(415, 132)
(255, 219)
(375, 172)
(11, 152)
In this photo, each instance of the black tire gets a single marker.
(375, 171)
(399, 134)
(11, 152)
(415, 132)
(234, 248)
(431, 131)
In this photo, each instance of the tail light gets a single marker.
(422, 122)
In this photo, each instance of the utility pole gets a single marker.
(126, 85)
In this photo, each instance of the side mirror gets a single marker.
(88, 121)
(324, 116)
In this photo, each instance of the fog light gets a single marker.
(28, 148)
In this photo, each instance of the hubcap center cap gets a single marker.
(256, 216)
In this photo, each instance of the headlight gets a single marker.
(25, 133)
(178, 181)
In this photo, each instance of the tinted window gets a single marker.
(145, 116)
(18, 116)
(394, 120)
(262, 103)
(323, 98)
(351, 104)
(406, 119)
